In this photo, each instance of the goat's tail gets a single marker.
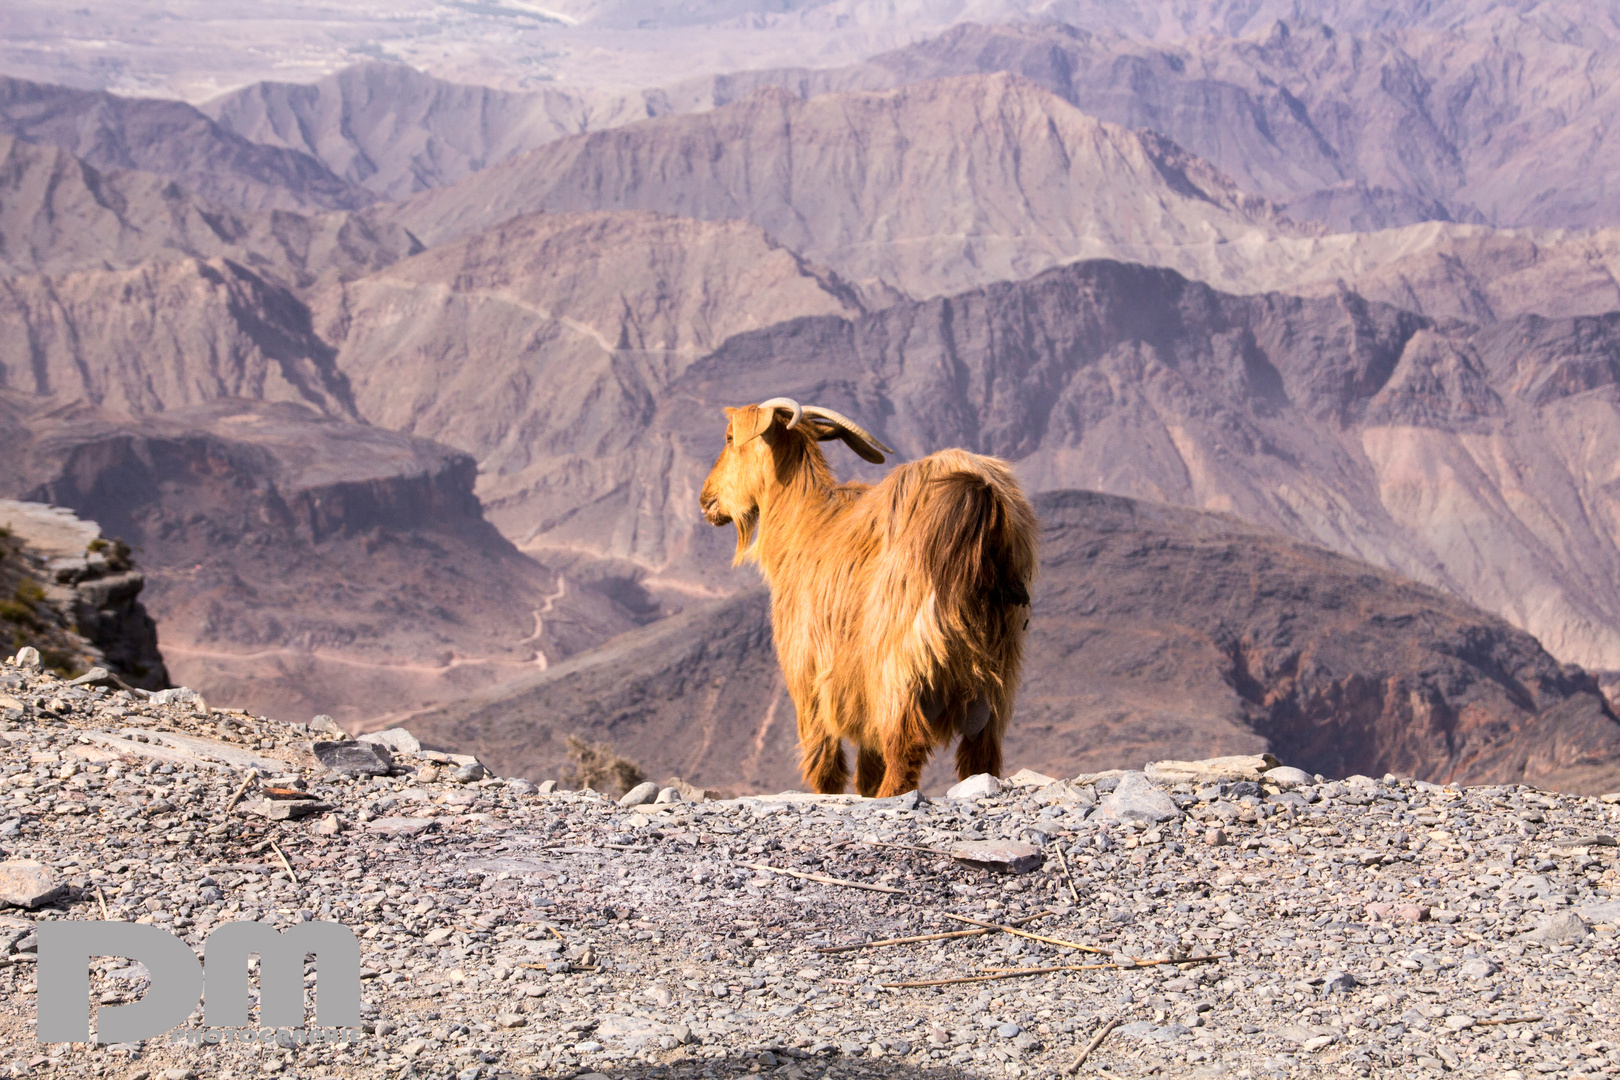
(977, 536)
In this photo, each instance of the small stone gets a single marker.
(1029, 778)
(1288, 776)
(1412, 913)
(469, 774)
(668, 795)
(1008, 1031)
(428, 774)
(397, 740)
(1607, 913)
(1339, 982)
(977, 786)
(1564, 928)
(1005, 855)
(510, 1020)
(640, 795)
(1459, 1023)
(1477, 967)
(183, 696)
(1315, 1043)
(179, 1074)
(1137, 801)
(326, 725)
(27, 657)
(413, 1047)
(354, 758)
(285, 809)
(546, 787)
(25, 883)
(1215, 837)
(328, 826)
(437, 937)
(520, 786)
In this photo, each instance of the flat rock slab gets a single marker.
(354, 758)
(1211, 770)
(1564, 928)
(214, 751)
(401, 826)
(25, 883)
(1137, 801)
(286, 809)
(1008, 856)
(1606, 913)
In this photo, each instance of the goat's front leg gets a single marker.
(869, 770)
(823, 765)
(979, 752)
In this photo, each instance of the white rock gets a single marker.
(28, 657)
(1211, 770)
(396, 739)
(975, 787)
(668, 795)
(1288, 776)
(1029, 778)
(640, 795)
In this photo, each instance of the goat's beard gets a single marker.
(747, 537)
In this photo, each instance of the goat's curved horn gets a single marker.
(786, 403)
(860, 440)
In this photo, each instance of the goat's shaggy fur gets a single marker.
(899, 609)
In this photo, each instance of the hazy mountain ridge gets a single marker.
(927, 189)
(171, 139)
(59, 214)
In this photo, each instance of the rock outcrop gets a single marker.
(74, 596)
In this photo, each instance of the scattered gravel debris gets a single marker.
(1248, 928)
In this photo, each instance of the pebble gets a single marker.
(1559, 929)
(1288, 776)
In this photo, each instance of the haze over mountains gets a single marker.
(1349, 278)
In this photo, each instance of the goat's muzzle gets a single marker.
(712, 512)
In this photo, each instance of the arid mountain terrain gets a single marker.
(1157, 632)
(402, 381)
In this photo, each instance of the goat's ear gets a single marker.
(749, 422)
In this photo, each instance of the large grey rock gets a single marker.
(975, 787)
(25, 883)
(1563, 928)
(1607, 913)
(397, 740)
(1137, 801)
(354, 758)
(640, 795)
(1477, 967)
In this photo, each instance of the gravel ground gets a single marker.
(1350, 928)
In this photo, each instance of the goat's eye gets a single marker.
(728, 438)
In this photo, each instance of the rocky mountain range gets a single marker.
(1349, 278)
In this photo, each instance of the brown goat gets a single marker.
(899, 609)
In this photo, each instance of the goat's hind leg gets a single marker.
(906, 750)
(824, 767)
(869, 771)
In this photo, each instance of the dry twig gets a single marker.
(823, 878)
(1064, 863)
(906, 847)
(923, 937)
(253, 774)
(284, 861)
(1508, 1020)
(1013, 973)
(1033, 937)
(102, 897)
(1096, 1041)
